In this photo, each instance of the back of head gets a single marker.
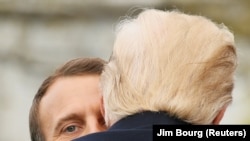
(169, 61)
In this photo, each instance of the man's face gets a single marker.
(71, 108)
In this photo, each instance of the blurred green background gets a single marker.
(36, 36)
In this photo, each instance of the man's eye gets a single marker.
(70, 129)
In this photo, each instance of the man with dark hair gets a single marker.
(67, 104)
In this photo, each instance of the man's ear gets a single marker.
(220, 115)
(102, 107)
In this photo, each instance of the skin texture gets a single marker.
(71, 108)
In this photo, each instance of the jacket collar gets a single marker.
(146, 120)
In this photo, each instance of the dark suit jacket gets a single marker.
(137, 127)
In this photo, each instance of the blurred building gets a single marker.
(38, 36)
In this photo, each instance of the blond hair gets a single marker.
(169, 61)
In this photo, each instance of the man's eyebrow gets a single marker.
(66, 118)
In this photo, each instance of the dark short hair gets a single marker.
(75, 67)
